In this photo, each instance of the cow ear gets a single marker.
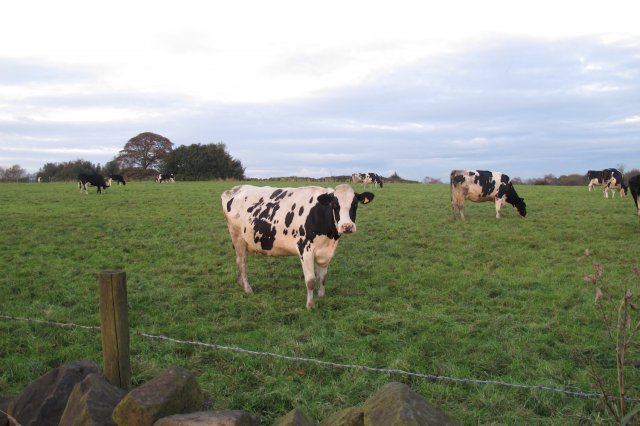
(365, 197)
(325, 199)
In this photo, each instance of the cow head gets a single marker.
(344, 203)
(517, 202)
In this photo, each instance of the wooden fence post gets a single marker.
(114, 327)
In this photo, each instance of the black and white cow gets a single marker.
(483, 185)
(117, 178)
(595, 177)
(169, 177)
(306, 222)
(91, 179)
(634, 186)
(613, 180)
(367, 179)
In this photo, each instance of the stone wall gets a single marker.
(78, 394)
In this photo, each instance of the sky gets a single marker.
(315, 89)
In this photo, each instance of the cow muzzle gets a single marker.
(347, 228)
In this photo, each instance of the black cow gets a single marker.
(634, 186)
(305, 222)
(117, 178)
(483, 185)
(91, 179)
(169, 177)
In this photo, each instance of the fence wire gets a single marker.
(432, 377)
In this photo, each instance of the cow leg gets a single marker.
(308, 266)
(321, 277)
(241, 260)
(499, 203)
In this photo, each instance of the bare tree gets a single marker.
(144, 151)
(14, 173)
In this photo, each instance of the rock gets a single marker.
(43, 401)
(210, 418)
(353, 416)
(91, 403)
(175, 391)
(295, 417)
(396, 404)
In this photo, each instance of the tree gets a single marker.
(145, 151)
(14, 173)
(202, 162)
(68, 170)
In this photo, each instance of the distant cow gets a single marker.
(305, 222)
(613, 180)
(117, 178)
(482, 185)
(634, 186)
(367, 179)
(91, 179)
(169, 177)
(595, 177)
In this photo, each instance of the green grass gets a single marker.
(413, 290)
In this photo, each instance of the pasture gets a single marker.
(413, 290)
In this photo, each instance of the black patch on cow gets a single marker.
(301, 231)
(268, 211)
(264, 233)
(504, 179)
(278, 194)
(310, 200)
(301, 211)
(457, 179)
(320, 221)
(229, 204)
(288, 219)
(485, 179)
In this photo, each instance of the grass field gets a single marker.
(413, 290)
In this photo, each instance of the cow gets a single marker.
(169, 177)
(613, 180)
(91, 179)
(595, 177)
(306, 222)
(483, 185)
(117, 178)
(367, 179)
(634, 186)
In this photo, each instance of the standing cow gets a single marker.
(613, 180)
(117, 178)
(368, 179)
(168, 177)
(305, 222)
(634, 186)
(91, 179)
(483, 185)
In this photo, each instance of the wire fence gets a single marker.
(432, 377)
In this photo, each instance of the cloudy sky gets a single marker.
(319, 88)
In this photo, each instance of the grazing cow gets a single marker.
(117, 178)
(367, 178)
(595, 177)
(305, 222)
(91, 179)
(634, 186)
(169, 177)
(482, 185)
(613, 179)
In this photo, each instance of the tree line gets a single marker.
(148, 154)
